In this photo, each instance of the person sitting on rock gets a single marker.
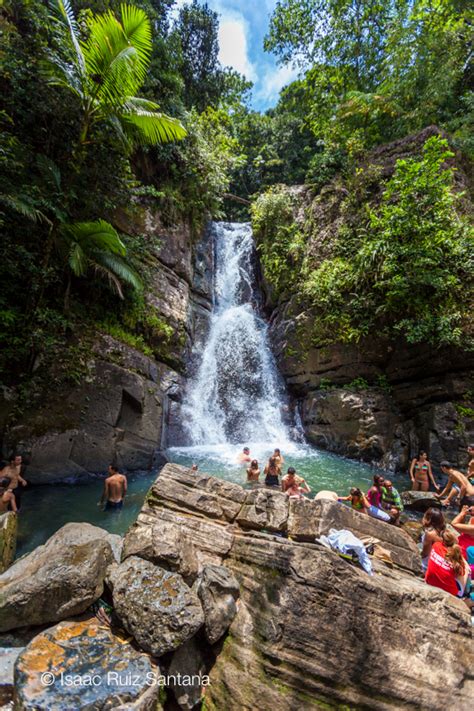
(447, 568)
(392, 501)
(421, 473)
(13, 471)
(7, 497)
(466, 539)
(272, 473)
(466, 489)
(253, 472)
(359, 501)
(434, 525)
(374, 495)
(244, 457)
(291, 479)
(115, 489)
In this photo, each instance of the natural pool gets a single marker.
(46, 508)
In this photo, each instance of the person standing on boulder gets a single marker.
(466, 489)
(13, 472)
(421, 473)
(115, 489)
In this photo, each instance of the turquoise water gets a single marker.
(45, 509)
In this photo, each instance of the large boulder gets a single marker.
(187, 674)
(155, 605)
(420, 500)
(312, 628)
(8, 533)
(84, 665)
(218, 591)
(176, 541)
(59, 579)
(182, 489)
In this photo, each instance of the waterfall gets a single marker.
(236, 394)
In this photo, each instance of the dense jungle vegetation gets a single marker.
(106, 106)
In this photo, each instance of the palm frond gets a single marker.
(115, 64)
(146, 126)
(99, 235)
(58, 72)
(137, 29)
(120, 268)
(113, 281)
(25, 207)
(67, 14)
(77, 259)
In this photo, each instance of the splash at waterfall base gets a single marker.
(274, 622)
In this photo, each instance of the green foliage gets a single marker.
(130, 339)
(358, 384)
(465, 412)
(406, 270)
(279, 239)
(377, 71)
(106, 71)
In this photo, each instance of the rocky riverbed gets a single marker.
(222, 593)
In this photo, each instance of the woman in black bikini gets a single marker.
(421, 474)
(272, 473)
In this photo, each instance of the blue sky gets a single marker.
(243, 25)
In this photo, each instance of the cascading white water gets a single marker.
(236, 395)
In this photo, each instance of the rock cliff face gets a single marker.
(377, 400)
(310, 628)
(126, 405)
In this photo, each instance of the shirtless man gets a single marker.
(290, 480)
(278, 455)
(7, 497)
(466, 489)
(244, 457)
(115, 488)
(454, 493)
(13, 472)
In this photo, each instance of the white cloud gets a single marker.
(272, 80)
(233, 47)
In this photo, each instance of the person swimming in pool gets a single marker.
(244, 456)
(115, 490)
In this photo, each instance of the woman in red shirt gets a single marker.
(466, 539)
(447, 568)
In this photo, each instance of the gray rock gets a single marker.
(264, 508)
(183, 490)
(155, 605)
(186, 669)
(177, 542)
(123, 675)
(218, 590)
(8, 532)
(311, 519)
(61, 578)
(419, 500)
(8, 657)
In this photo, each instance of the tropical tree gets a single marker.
(105, 71)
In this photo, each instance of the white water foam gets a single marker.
(236, 395)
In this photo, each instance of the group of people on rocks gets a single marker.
(447, 551)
